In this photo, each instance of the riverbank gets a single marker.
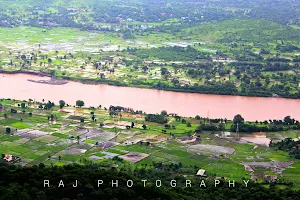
(37, 73)
(52, 81)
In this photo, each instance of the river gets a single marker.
(17, 86)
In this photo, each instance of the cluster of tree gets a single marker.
(87, 15)
(210, 127)
(278, 59)
(116, 108)
(254, 68)
(289, 145)
(283, 12)
(249, 56)
(158, 118)
(266, 126)
(296, 59)
(227, 88)
(252, 30)
(277, 67)
(250, 128)
(46, 106)
(287, 48)
(28, 183)
(175, 53)
(257, 89)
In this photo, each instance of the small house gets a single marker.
(10, 158)
(114, 166)
(202, 173)
(270, 178)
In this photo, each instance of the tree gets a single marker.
(197, 117)
(175, 81)
(79, 103)
(145, 68)
(238, 119)
(96, 65)
(62, 103)
(42, 165)
(23, 57)
(164, 113)
(156, 118)
(165, 72)
(287, 120)
(8, 130)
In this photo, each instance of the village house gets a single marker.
(172, 114)
(255, 177)
(202, 173)
(10, 158)
(270, 178)
(184, 82)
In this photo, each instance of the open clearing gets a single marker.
(210, 149)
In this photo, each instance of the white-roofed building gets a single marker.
(201, 172)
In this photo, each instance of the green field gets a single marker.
(87, 143)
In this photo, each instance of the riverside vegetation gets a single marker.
(237, 50)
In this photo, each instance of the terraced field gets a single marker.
(35, 139)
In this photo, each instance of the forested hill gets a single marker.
(27, 183)
(87, 13)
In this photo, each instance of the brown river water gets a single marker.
(17, 86)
